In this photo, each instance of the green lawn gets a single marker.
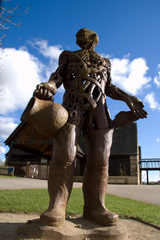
(36, 200)
(6, 176)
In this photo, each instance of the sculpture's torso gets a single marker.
(85, 80)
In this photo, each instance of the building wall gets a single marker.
(123, 160)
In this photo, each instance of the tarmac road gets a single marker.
(144, 193)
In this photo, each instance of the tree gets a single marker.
(1, 163)
(6, 18)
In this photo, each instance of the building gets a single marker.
(30, 154)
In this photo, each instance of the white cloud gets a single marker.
(7, 126)
(106, 55)
(130, 75)
(61, 90)
(2, 150)
(51, 52)
(157, 80)
(41, 45)
(157, 139)
(21, 72)
(127, 55)
(157, 77)
(150, 99)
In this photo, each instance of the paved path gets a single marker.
(145, 193)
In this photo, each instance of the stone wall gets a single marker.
(134, 167)
(114, 179)
(7, 170)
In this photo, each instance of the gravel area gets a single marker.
(10, 222)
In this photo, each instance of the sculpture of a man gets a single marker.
(87, 81)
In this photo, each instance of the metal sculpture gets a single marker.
(86, 77)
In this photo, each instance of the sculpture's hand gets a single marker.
(133, 103)
(136, 107)
(46, 91)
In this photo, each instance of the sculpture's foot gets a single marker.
(53, 218)
(103, 217)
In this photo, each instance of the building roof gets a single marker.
(26, 138)
(125, 140)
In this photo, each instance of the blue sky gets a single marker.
(128, 35)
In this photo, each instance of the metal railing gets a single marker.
(151, 164)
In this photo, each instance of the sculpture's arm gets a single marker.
(116, 93)
(47, 90)
(134, 103)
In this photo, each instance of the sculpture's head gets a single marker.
(87, 39)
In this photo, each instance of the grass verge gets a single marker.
(36, 200)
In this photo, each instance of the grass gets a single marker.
(36, 200)
(6, 176)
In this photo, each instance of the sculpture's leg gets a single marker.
(96, 176)
(61, 175)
